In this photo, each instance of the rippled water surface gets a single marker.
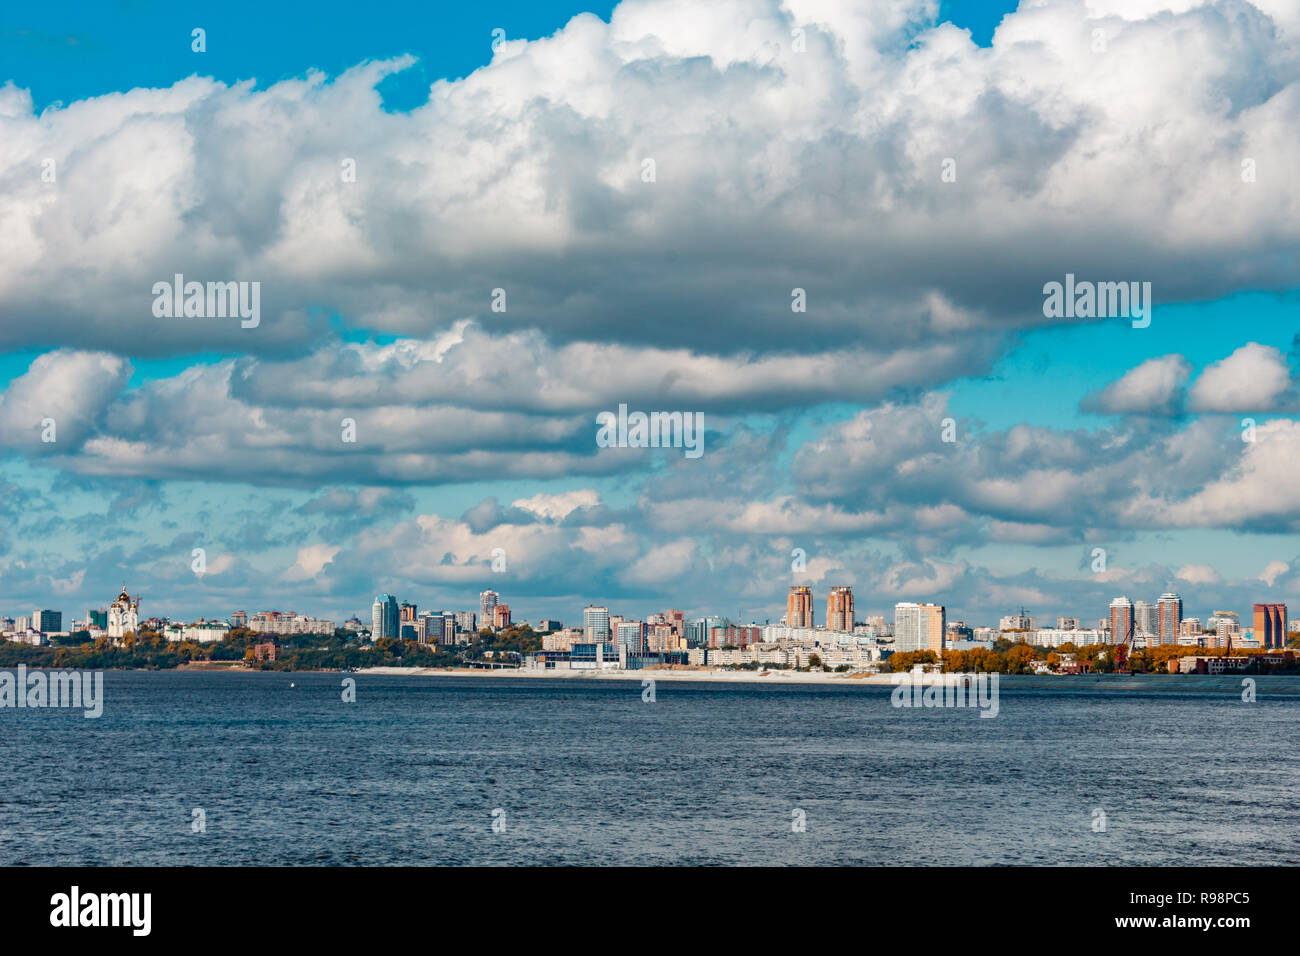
(585, 772)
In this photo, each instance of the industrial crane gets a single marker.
(1121, 652)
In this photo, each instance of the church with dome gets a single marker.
(123, 615)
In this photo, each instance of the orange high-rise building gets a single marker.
(839, 609)
(799, 607)
(1270, 625)
(501, 616)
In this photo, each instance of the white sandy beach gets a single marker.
(703, 674)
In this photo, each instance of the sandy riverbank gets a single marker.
(1287, 685)
(701, 674)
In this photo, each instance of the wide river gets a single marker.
(275, 768)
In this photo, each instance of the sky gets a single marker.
(648, 184)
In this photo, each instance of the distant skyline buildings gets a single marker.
(384, 619)
(1121, 620)
(839, 609)
(1170, 608)
(1146, 618)
(487, 602)
(799, 606)
(1270, 624)
(467, 437)
(919, 627)
(595, 623)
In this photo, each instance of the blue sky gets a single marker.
(521, 168)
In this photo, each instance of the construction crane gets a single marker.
(1121, 652)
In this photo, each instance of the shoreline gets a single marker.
(709, 674)
(1275, 683)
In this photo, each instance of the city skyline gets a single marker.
(445, 311)
(926, 625)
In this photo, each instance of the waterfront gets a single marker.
(586, 772)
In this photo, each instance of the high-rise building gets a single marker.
(697, 632)
(1146, 618)
(919, 627)
(487, 600)
(1121, 620)
(661, 639)
(1270, 625)
(839, 609)
(239, 619)
(1067, 623)
(595, 624)
(677, 621)
(49, 622)
(1016, 622)
(1171, 615)
(501, 616)
(630, 634)
(407, 613)
(799, 607)
(383, 618)
(1231, 617)
(466, 621)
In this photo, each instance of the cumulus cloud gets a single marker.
(822, 172)
(1153, 388)
(71, 389)
(561, 505)
(775, 170)
(1197, 574)
(1254, 378)
(464, 365)
(1257, 489)
(1272, 571)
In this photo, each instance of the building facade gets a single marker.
(919, 627)
(123, 615)
(1121, 620)
(487, 601)
(1170, 608)
(839, 609)
(384, 618)
(1270, 625)
(595, 624)
(501, 616)
(799, 606)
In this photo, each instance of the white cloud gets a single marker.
(1254, 378)
(558, 506)
(662, 563)
(1197, 574)
(1272, 571)
(821, 171)
(1153, 388)
(72, 388)
(310, 562)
